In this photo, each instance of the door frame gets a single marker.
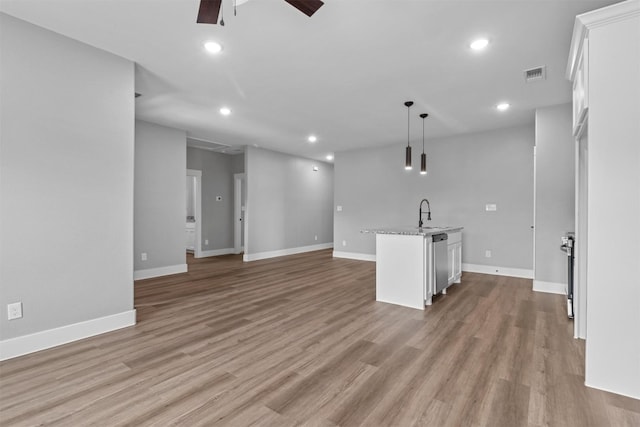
(197, 250)
(238, 179)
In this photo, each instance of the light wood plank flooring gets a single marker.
(300, 340)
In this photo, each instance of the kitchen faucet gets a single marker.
(428, 212)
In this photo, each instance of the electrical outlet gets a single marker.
(487, 254)
(344, 243)
(14, 311)
(143, 256)
(206, 242)
(316, 238)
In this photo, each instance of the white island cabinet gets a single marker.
(405, 264)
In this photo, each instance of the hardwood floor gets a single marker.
(300, 340)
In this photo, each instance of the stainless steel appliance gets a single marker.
(568, 244)
(441, 261)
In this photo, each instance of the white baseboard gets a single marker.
(285, 252)
(160, 271)
(498, 271)
(550, 287)
(26, 344)
(354, 255)
(633, 396)
(216, 252)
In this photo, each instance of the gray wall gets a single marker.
(464, 173)
(217, 180)
(288, 203)
(159, 204)
(66, 180)
(555, 198)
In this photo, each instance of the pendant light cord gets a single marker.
(408, 109)
(423, 134)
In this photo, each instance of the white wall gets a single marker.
(466, 172)
(613, 259)
(555, 196)
(66, 186)
(159, 204)
(288, 204)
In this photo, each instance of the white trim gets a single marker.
(637, 396)
(596, 18)
(285, 252)
(354, 255)
(498, 271)
(31, 343)
(160, 271)
(217, 252)
(550, 287)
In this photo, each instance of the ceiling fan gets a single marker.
(209, 9)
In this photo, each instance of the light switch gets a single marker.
(339, 208)
(491, 207)
(218, 198)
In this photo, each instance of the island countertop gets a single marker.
(413, 231)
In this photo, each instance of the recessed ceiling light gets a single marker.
(225, 111)
(479, 44)
(312, 138)
(503, 106)
(213, 47)
(329, 157)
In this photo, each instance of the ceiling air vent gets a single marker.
(535, 74)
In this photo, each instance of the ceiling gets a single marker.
(342, 74)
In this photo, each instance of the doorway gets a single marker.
(193, 225)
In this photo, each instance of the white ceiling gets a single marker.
(342, 74)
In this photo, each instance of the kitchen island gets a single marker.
(406, 263)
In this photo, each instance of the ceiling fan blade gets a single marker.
(308, 7)
(209, 10)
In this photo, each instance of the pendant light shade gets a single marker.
(407, 162)
(423, 156)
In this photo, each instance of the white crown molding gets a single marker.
(594, 19)
(31, 343)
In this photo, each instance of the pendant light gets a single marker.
(423, 157)
(407, 162)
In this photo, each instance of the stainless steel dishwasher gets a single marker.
(441, 261)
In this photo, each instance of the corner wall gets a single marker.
(555, 195)
(288, 204)
(159, 203)
(465, 173)
(66, 189)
